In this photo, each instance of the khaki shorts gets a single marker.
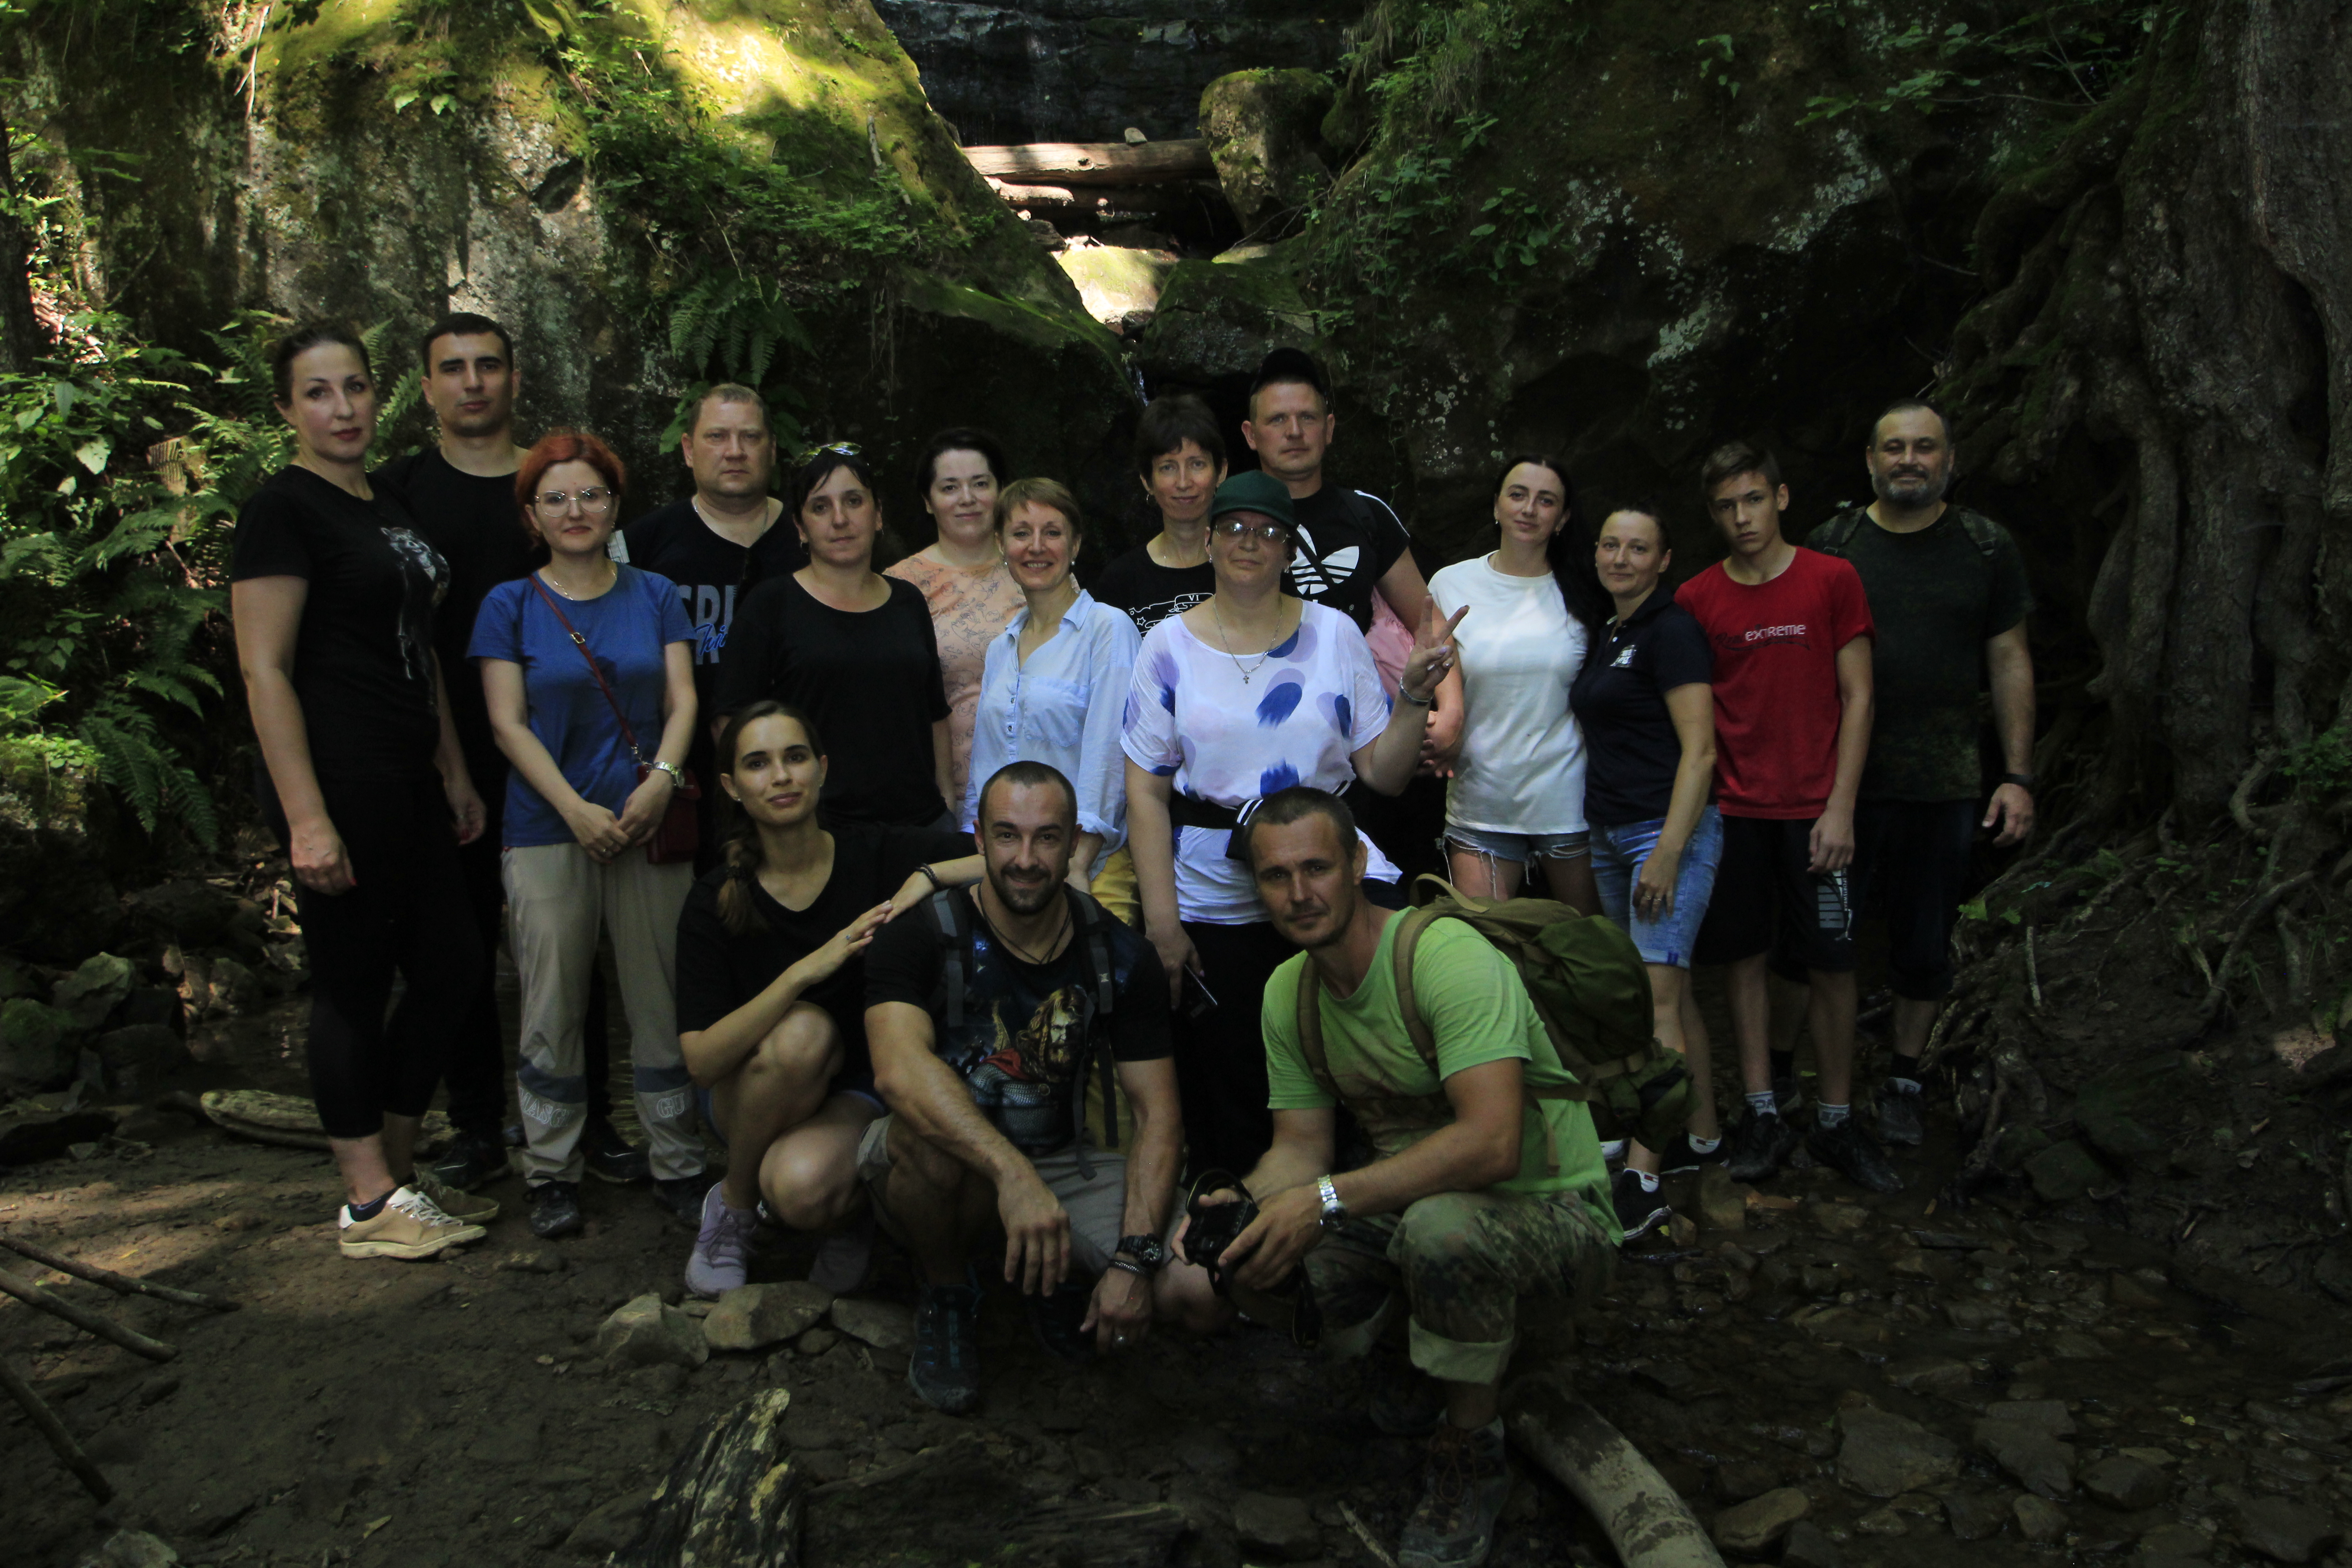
(1097, 1203)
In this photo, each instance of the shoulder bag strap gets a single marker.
(955, 953)
(581, 644)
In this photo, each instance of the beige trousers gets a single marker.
(558, 900)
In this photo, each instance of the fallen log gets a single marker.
(733, 1495)
(85, 1319)
(1097, 198)
(1095, 162)
(46, 1422)
(121, 1284)
(1646, 1521)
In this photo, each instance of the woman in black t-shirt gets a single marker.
(854, 650)
(1180, 458)
(772, 993)
(332, 595)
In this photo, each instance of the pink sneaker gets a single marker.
(719, 1263)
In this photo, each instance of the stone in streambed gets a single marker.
(1282, 1526)
(1975, 1515)
(1809, 1547)
(1722, 1202)
(2286, 1530)
(646, 1332)
(1885, 1455)
(2038, 1518)
(2064, 1171)
(130, 1549)
(884, 1325)
(753, 1317)
(2124, 1483)
(1750, 1528)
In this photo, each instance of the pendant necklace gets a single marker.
(1247, 670)
(1023, 954)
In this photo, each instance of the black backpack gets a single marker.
(1836, 536)
(951, 918)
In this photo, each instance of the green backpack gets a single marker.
(1589, 986)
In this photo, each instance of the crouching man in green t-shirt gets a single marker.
(1482, 1193)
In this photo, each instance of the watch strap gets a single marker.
(2023, 781)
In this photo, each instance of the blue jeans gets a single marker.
(1618, 856)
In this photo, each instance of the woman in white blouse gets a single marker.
(1055, 678)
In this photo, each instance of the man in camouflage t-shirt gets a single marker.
(1948, 595)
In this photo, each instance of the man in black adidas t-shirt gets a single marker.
(461, 494)
(984, 1010)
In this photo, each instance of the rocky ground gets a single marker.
(1827, 1377)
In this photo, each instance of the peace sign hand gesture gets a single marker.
(1433, 652)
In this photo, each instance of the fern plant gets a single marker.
(728, 326)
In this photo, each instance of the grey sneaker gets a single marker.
(1453, 1525)
(721, 1257)
(1899, 1120)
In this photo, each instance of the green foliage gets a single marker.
(2322, 764)
(728, 329)
(1426, 64)
(2071, 52)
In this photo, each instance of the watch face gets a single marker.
(1148, 1250)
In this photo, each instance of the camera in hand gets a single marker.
(1214, 1226)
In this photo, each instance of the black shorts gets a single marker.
(1767, 900)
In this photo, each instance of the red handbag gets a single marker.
(678, 834)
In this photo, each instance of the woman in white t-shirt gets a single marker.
(1232, 701)
(1504, 730)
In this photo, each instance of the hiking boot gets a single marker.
(555, 1209)
(1788, 1094)
(844, 1256)
(1403, 1400)
(1855, 1153)
(1638, 1212)
(612, 1157)
(944, 1371)
(1453, 1524)
(722, 1245)
(1899, 1114)
(463, 1206)
(1056, 1321)
(680, 1197)
(1681, 1156)
(1758, 1146)
(471, 1161)
(408, 1226)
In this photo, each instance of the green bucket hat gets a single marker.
(1257, 491)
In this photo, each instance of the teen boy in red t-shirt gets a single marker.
(1790, 631)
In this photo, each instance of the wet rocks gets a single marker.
(2038, 1518)
(884, 1325)
(1741, 1479)
(756, 1316)
(1837, 1219)
(130, 1549)
(1928, 1374)
(1979, 1315)
(609, 1528)
(645, 1332)
(94, 990)
(1884, 1455)
(2064, 1171)
(1284, 1527)
(1750, 1528)
(2124, 1483)
(1264, 132)
(37, 1042)
(2022, 1437)
(2286, 1530)
(1975, 1515)
(140, 1056)
(1722, 1202)
(1807, 1546)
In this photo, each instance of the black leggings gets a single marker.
(408, 912)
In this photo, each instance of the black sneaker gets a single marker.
(1788, 1094)
(1681, 1156)
(1403, 1400)
(1758, 1144)
(1899, 1114)
(611, 1156)
(1468, 1482)
(469, 1162)
(555, 1209)
(1847, 1149)
(1054, 1321)
(680, 1197)
(944, 1371)
(1638, 1212)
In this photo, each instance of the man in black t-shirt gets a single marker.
(984, 1010)
(461, 494)
(714, 545)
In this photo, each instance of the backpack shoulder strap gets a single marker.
(1982, 532)
(1088, 916)
(949, 914)
(1411, 924)
(1833, 537)
(1310, 1028)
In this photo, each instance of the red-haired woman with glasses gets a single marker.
(587, 666)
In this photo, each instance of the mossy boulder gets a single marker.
(1217, 319)
(1264, 129)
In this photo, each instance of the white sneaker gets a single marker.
(409, 1226)
(721, 1260)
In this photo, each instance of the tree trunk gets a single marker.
(21, 338)
(2172, 295)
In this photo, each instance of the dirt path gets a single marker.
(452, 1412)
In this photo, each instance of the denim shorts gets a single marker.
(1519, 848)
(1618, 856)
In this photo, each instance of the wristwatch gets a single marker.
(2023, 781)
(1147, 1250)
(658, 766)
(1335, 1213)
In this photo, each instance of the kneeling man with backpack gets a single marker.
(1489, 1184)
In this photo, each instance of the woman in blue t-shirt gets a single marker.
(586, 662)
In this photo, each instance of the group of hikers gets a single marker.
(965, 902)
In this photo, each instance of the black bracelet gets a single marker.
(932, 877)
(2023, 781)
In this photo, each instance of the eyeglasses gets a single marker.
(1235, 527)
(592, 500)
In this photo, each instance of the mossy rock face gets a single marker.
(1263, 129)
(392, 159)
(1217, 319)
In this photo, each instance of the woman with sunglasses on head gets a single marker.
(854, 650)
(1056, 677)
(588, 668)
(961, 574)
(333, 594)
(771, 995)
(1504, 734)
(1233, 700)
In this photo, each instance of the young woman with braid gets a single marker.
(772, 993)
